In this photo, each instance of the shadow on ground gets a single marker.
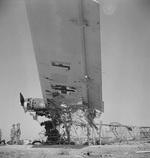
(60, 146)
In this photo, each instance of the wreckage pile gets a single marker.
(86, 127)
(72, 127)
(81, 126)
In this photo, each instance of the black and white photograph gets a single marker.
(75, 78)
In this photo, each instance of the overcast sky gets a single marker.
(125, 42)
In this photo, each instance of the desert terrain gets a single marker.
(134, 150)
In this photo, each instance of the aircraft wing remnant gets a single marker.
(66, 42)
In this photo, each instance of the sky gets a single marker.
(125, 46)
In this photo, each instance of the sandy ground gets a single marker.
(107, 151)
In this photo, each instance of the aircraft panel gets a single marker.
(93, 53)
(57, 34)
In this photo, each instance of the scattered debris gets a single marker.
(141, 152)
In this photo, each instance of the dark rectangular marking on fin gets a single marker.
(61, 64)
(64, 89)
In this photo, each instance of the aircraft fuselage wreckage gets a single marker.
(66, 42)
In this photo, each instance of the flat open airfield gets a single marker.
(106, 151)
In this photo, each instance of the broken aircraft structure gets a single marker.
(66, 42)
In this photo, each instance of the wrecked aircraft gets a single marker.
(66, 42)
